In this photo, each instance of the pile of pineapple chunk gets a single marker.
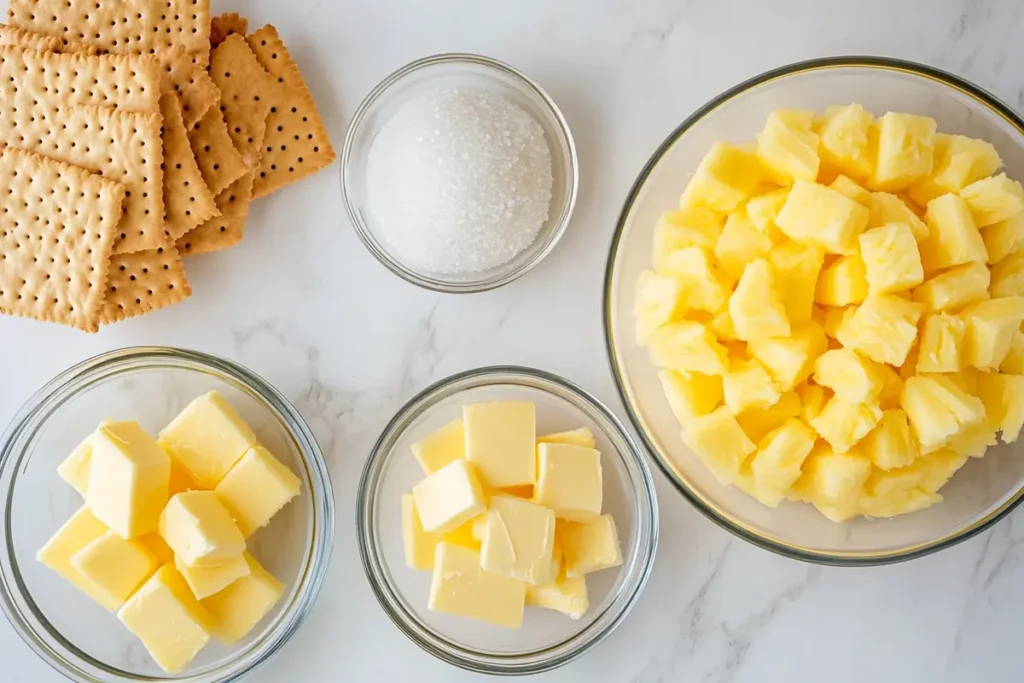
(836, 310)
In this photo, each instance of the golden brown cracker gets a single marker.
(57, 226)
(142, 282)
(223, 25)
(190, 82)
(246, 93)
(72, 46)
(19, 37)
(187, 200)
(227, 229)
(296, 143)
(220, 163)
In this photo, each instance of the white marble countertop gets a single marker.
(305, 305)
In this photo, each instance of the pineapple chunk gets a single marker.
(833, 318)
(688, 346)
(991, 327)
(892, 387)
(725, 178)
(703, 289)
(938, 409)
(757, 424)
(888, 494)
(1008, 276)
(748, 386)
(905, 150)
(937, 468)
(690, 395)
(740, 243)
(953, 235)
(755, 306)
(843, 423)
(891, 259)
(797, 119)
(776, 465)
(887, 208)
(959, 161)
(720, 443)
(788, 152)
(890, 444)
(844, 140)
(833, 480)
(812, 400)
(1013, 362)
(764, 209)
(842, 283)
(955, 288)
(676, 230)
(883, 328)
(850, 188)
(790, 359)
(974, 441)
(850, 376)
(796, 267)
(659, 299)
(942, 342)
(819, 215)
(722, 326)
(994, 199)
(1004, 238)
(1003, 396)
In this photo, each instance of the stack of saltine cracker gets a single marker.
(132, 133)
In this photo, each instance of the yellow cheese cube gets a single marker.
(887, 208)
(688, 227)
(725, 178)
(564, 594)
(891, 259)
(955, 288)
(113, 567)
(82, 529)
(720, 442)
(739, 244)
(905, 150)
(1013, 361)
(1008, 276)
(129, 476)
(449, 498)
(953, 236)
(169, 621)
(691, 395)
(755, 307)
(890, 444)
(256, 488)
(748, 386)
(991, 327)
(590, 546)
(843, 423)
(570, 481)
(519, 538)
(580, 437)
(883, 328)
(238, 608)
(849, 375)
(833, 480)
(776, 465)
(844, 140)
(200, 530)
(789, 360)
(660, 299)
(994, 199)
(1003, 396)
(703, 287)
(462, 587)
(757, 424)
(959, 161)
(688, 346)
(441, 446)
(820, 215)
(205, 581)
(843, 282)
(942, 341)
(850, 188)
(938, 409)
(500, 441)
(1004, 238)
(796, 267)
(788, 149)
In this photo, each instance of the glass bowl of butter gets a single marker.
(507, 522)
(226, 578)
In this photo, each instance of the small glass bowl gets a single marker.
(547, 639)
(65, 628)
(457, 70)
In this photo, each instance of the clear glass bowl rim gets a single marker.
(713, 512)
(380, 252)
(536, 661)
(66, 386)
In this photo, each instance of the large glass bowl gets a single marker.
(984, 490)
(67, 629)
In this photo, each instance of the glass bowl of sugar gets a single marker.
(459, 173)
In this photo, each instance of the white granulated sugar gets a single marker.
(460, 180)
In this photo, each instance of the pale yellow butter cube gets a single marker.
(208, 437)
(519, 539)
(590, 546)
(75, 468)
(464, 534)
(579, 437)
(157, 547)
(237, 609)
(417, 544)
(256, 488)
(200, 530)
(500, 440)
(570, 481)
(564, 594)
(449, 497)
(205, 581)
(462, 587)
(114, 568)
(82, 529)
(441, 446)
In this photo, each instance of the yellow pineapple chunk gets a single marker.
(796, 267)
(953, 235)
(954, 288)
(883, 328)
(776, 464)
(896, 492)
(748, 386)
(740, 243)
(788, 152)
(834, 317)
(887, 208)
(833, 480)
(690, 395)
(812, 399)
(764, 209)
(720, 443)
(722, 326)
(1003, 396)
(892, 387)
(938, 409)
(757, 424)
(942, 342)
(905, 151)
(890, 444)
(843, 423)
(849, 375)
(790, 359)
(849, 187)
(844, 140)
(725, 178)
(688, 346)
(1004, 238)
(819, 215)
(797, 119)
(994, 199)
(991, 327)
(703, 288)
(1008, 276)
(891, 259)
(755, 306)
(974, 441)
(659, 299)
(937, 468)
(842, 283)
(959, 161)
(694, 227)
(1013, 362)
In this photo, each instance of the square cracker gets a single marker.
(227, 229)
(190, 81)
(246, 93)
(223, 25)
(142, 282)
(187, 200)
(57, 225)
(220, 163)
(147, 26)
(296, 144)
(12, 35)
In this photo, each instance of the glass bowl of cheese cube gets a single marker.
(812, 309)
(506, 521)
(168, 515)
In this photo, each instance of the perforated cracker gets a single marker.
(57, 225)
(190, 82)
(12, 35)
(296, 144)
(220, 163)
(227, 229)
(247, 91)
(142, 282)
(223, 25)
(147, 26)
(187, 200)
(83, 48)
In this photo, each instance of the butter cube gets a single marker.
(564, 594)
(449, 497)
(181, 480)
(157, 547)
(462, 587)
(128, 479)
(570, 481)
(441, 446)
(75, 468)
(169, 621)
(418, 544)
(205, 581)
(114, 568)
(591, 546)
(208, 437)
(82, 529)
(200, 530)
(580, 437)
(519, 538)
(464, 535)
(500, 440)
(238, 608)
(256, 488)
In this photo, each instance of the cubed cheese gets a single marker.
(256, 488)
(200, 530)
(519, 538)
(238, 608)
(461, 586)
(500, 441)
(590, 546)
(440, 447)
(449, 497)
(114, 568)
(570, 481)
